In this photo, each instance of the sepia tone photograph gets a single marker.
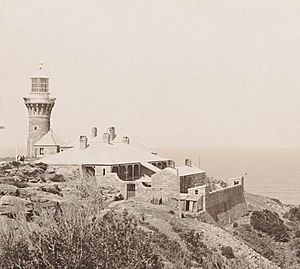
(149, 134)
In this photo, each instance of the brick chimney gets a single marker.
(112, 132)
(126, 140)
(94, 132)
(106, 138)
(188, 162)
(83, 142)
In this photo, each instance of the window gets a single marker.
(103, 172)
(35, 128)
(41, 151)
(196, 191)
(39, 85)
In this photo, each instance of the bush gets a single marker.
(167, 249)
(119, 197)
(43, 166)
(262, 244)
(294, 214)
(78, 239)
(277, 201)
(269, 222)
(227, 252)
(297, 234)
(15, 164)
(194, 242)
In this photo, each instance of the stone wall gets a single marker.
(167, 182)
(48, 150)
(164, 187)
(227, 204)
(191, 181)
(147, 193)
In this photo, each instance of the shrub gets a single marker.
(277, 201)
(269, 222)
(227, 252)
(297, 234)
(194, 242)
(176, 227)
(261, 244)
(78, 239)
(43, 166)
(294, 214)
(15, 164)
(168, 249)
(119, 197)
(247, 227)
(5, 166)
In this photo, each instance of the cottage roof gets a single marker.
(185, 170)
(49, 139)
(100, 153)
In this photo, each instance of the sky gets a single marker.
(222, 73)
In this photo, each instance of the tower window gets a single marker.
(103, 172)
(41, 151)
(35, 128)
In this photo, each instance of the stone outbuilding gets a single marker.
(49, 144)
(164, 185)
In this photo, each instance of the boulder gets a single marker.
(12, 205)
(6, 189)
(70, 173)
(53, 177)
(41, 197)
(54, 189)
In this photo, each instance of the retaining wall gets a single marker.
(227, 204)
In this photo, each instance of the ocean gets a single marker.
(272, 172)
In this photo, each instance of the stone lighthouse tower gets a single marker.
(39, 105)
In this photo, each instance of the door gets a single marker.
(130, 190)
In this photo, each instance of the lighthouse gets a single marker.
(39, 105)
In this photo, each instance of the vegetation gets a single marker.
(262, 244)
(227, 251)
(77, 239)
(273, 237)
(119, 197)
(294, 214)
(270, 223)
